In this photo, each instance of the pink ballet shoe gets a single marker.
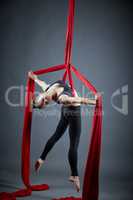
(38, 165)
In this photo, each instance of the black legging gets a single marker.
(70, 116)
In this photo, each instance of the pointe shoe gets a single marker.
(38, 165)
(76, 182)
(71, 179)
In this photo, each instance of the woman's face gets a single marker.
(46, 102)
(47, 98)
(48, 95)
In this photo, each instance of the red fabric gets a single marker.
(26, 140)
(50, 69)
(69, 39)
(69, 33)
(91, 175)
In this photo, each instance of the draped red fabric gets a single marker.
(69, 39)
(91, 175)
(26, 141)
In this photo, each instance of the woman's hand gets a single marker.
(32, 75)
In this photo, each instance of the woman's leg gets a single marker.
(74, 134)
(62, 125)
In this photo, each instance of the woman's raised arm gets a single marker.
(34, 77)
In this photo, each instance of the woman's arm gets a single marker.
(34, 77)
(65, 99)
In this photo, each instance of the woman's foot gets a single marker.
(71, 179)
(76, 181)
(38, 165)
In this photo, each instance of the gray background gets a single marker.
(32, 35)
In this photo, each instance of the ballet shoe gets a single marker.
(76, 182)
(71, 179)
(38, 165)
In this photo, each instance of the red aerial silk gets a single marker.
(91, 175)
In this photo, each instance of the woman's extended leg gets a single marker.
(74, 134)
(62, 125)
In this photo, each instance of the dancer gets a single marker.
(62, 93)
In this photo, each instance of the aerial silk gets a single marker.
(91, 176)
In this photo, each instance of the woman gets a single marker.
(61, 93)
